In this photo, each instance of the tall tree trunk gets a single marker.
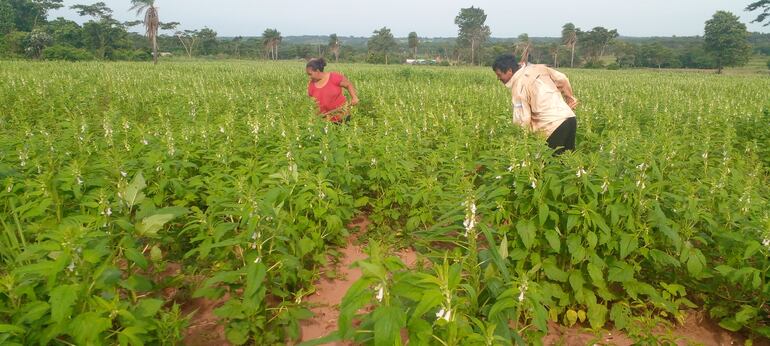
(473, 51)
(572, 59)
(155, 49)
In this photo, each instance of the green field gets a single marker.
(112, 172)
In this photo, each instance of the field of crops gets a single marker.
(112, 173)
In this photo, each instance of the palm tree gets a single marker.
(151, 22)
(569, 38)
(414, 41)
(334, 46)
(271, 38)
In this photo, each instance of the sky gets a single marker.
(433, 18)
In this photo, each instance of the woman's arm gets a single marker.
(345, 83)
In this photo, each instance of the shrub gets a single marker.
(69, 53)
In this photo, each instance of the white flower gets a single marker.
(380, 292)
(71, 267)
(374, 162)
(9, 188)
(444, 314)
(498, 177)
(581, 172)
(522, 291)
(124, 174)
(321, 195)
(108, 212)
(605, 186)
(258, 259)
(705, 155)
(510, 169)
(642, 166)
(766, 242)
(221, 129)
(80, 181)
(144, 141)
(533, 183)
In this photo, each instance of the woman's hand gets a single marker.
(354, 101)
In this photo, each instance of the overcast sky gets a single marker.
(434, 18)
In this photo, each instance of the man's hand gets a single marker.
(572, 102)
(354, 101)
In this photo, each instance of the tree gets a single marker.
(151, 23)
(726, 39)
(103, 33)
(382, 42)
(237, 40)
(28, 13)
(7, 18)
(36, 42)
(271, 39)
(208, 41)
(765, 6)
(523, 46)
(569, 38)
(472, 30)
(596, 41)
(413, 41)
(188, 38)
(334, 46)
(65, 32)
(553, 50)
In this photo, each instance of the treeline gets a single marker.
(26, 32)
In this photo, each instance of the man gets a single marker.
(542, 100)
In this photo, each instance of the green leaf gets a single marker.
(621, 272)
(527, 231)
(628, 244)
(11, 329)
(751, 249)
(135, 256)
(148, 307)
(504, 247)
(137, 283)
(730, 324)
(576, 249)
(553, 272)
(150, 225)
(554, 240)
(130, 336)
(596, 274)
(620, 314)
(237, 333)
(305, 246)
(360, 202)
(388, 321)
(696, 262)
(542, 212)
(571, 317)
(132, 194)
(62, 298)
(576, 280)
(597, 315)
(87, 328)
(746, 314)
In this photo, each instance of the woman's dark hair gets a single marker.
(316, 64)
(506, 62)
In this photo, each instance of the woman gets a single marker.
(326, 89)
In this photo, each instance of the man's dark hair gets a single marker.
(506, 62)
(316, 64)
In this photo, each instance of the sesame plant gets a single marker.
(110, 176)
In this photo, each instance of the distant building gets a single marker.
(166, 54)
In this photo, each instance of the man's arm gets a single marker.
(562, 83)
